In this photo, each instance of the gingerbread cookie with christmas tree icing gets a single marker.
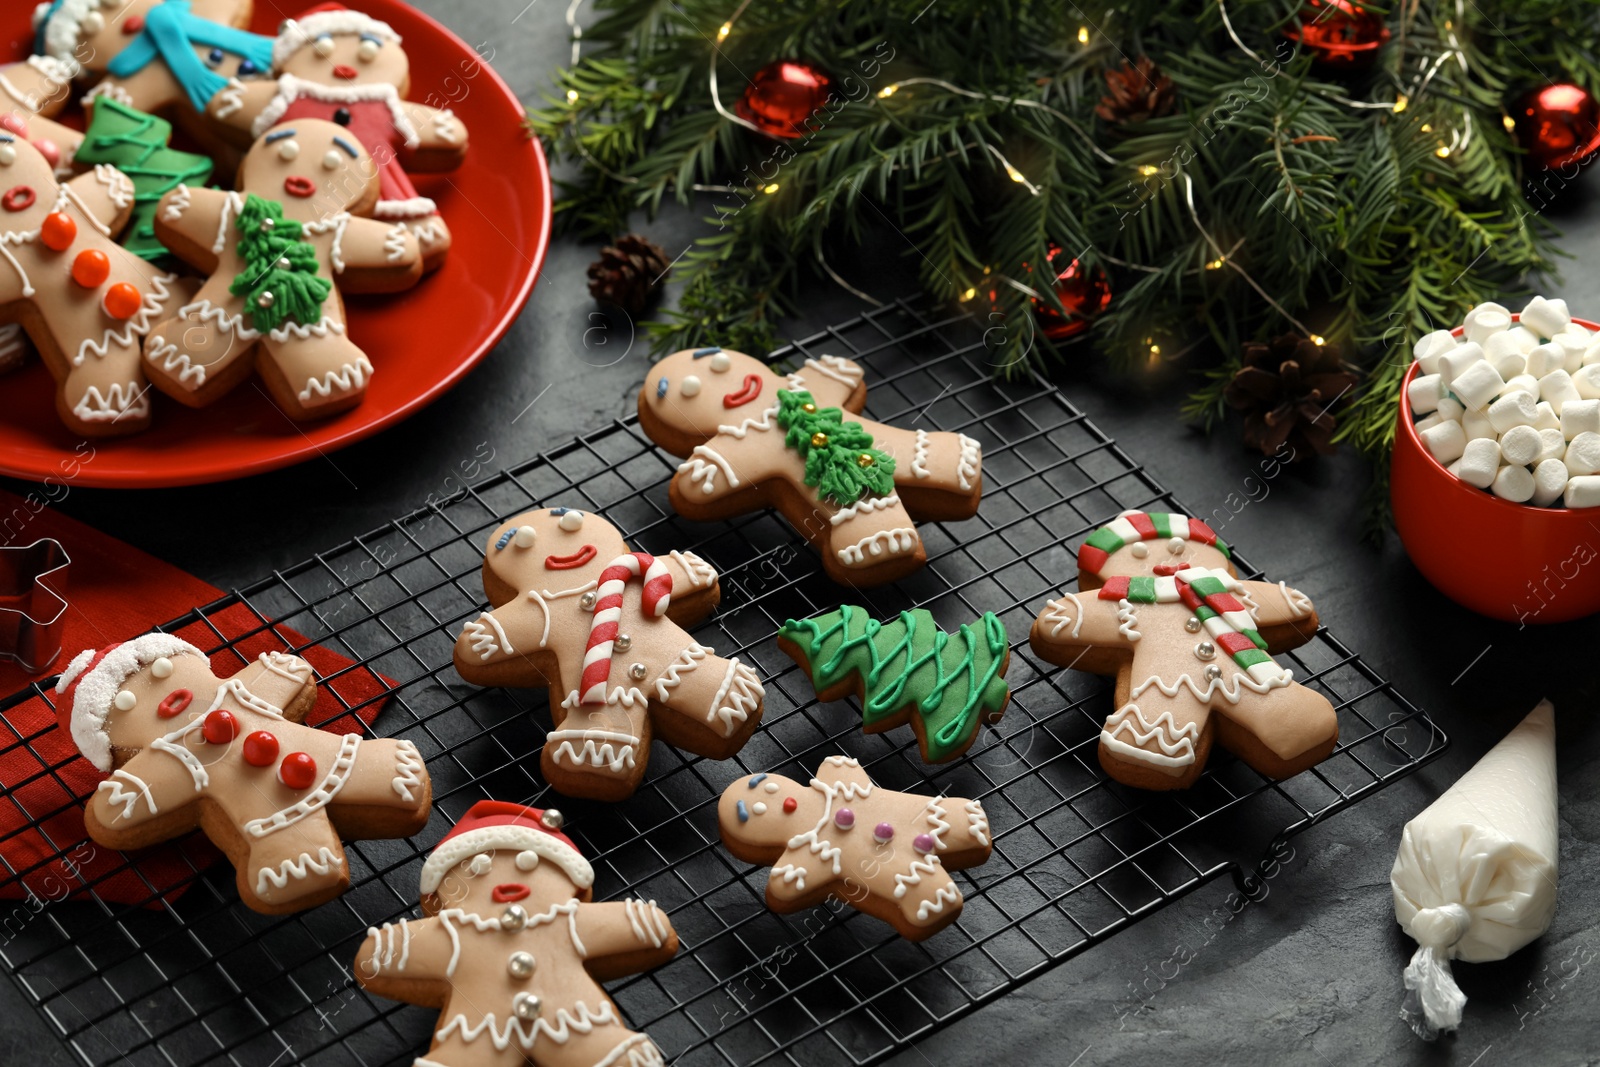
(279, 252)
(753, 438)
(187, 749)
(1160, 608)
(600, 625)
(888, 854)
(907, 670)
(511, 949)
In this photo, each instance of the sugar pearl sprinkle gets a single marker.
(1513, 407)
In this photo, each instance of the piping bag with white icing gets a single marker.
(1475, 878)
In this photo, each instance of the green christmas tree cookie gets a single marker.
(136, 144)
(907, 670)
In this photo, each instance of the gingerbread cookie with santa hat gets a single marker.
(511, 949)
(343, 66)
(186, 749)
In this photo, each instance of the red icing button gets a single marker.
(123, 301)
(261, 749)
(174, 703)
(789, 804)
(220, 727)
(346, 73)
(47, 148)
(298, 770)
(12, 122)
(133, 24)
(507, 892)
(18, 198)
(90, 268)
(58, 231)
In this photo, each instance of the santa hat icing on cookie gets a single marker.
(490, 825)
(329, 19)
(58, 26)
(1131, 526)
(88, 687)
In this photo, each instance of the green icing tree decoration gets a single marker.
(844, 467)
(136, 144)
(279, 280)
(907, 670)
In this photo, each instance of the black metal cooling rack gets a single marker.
(1077, 857)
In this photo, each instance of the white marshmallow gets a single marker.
(1583, 455)
(1544, 359)
(1431, 346)
(1556, 388)
(1512, 409)
(1574, 330)
(1485, 324)
(1476, 424)
(1546, 317)
(1582, 492)
(1551, 446)
(1509, 364)
(1446, 441)
(1571, 349)
(1477, 384)
(1430, 420)
(1450, 408)
(1424, 393)
(1514, 484)
(1515, 340)
(1580, 416)
(1520, 445)
(1546, 419)
(1487, 305)
(1587, 381)
(1457, 360)
(1480, 462)
(1549, 479)
(1591, 354)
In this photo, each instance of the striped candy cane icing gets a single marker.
(1133, 526)
(608, 610)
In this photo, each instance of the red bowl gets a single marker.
(1508, 561)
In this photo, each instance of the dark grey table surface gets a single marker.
(1309, 975)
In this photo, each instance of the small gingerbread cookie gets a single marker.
(1160, 608)
(512, 950)
(753, 439)
(279, 251)
(907, 670)
(186, 749)
(888, 854)
(576, 610)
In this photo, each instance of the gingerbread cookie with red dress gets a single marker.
(752, 438)
(185, 748)
(1160, 608)
(512, 949)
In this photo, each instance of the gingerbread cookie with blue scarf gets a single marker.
(1160, 608)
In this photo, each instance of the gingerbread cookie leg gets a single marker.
(599, 752)
(206, 351)
(1158, 743)
(314, 371)
(1282, 733)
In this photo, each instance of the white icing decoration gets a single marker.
(299, 868)
(919, 456)
(920, 865)
(690, 386)
(486, 640)
(1056, 612)
(1126, 619)
(383, 953)
(317, 799)
(700, 573)
(408, 771)
(125, 700)
(1299, 604)
(336, 223)
(230, 322)
(898, 541)
(647, 921)
(527, 860)
(865, 506)
(232, 204)
(687, 661)
(172, 745)
(759, 808)
(702, 466)
(599, 748)
(1139, 550)
(838, 368)
(292, 668)
(741, 689)
(1176, 742)
(581, 1019)
(349, 378)
(445, 127)
(231, 99)
(136, 326)
(117, 402)
(812, 840)
(119, 190)
(412, 208)
(542, 599)
(967, 464)
(790, 873)
(128, 800)
(108, 88)
(770, 787)
(394, 243)
(640, 1050)
(977, 822)
(764, 423)
(1214, 685)
(946, 894)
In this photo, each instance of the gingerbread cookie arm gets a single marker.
(106, 193)
(621, 937)
(832, 381)
(286, 682)
(441, 138)
(193, 223)
(409, 950)
(372, 256)
(39, 85)
(152, 784)
(1280, 605)
(690, 573)
(725, 465)
(237, 106)
(1074, 621)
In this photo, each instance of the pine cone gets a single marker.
(1139, 91)
(1287, 391)
(628, 273)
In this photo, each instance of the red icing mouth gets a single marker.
(745, 393)
(296, 185)
(133, 24)
(345, 73)
(174, 703)
(1165, 569)
(566, 563)
(507, 892)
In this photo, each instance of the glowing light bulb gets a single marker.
(723, 31)
(770, 189)
(1083, 35)
(572, 96)
(1401, 103)
(1148, 169)
(1318, 340)
(888, 91)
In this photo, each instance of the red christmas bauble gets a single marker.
(1340, 35)
(1558, 125)
(1085, 293)
(782, 96)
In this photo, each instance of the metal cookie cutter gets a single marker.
(32, 613)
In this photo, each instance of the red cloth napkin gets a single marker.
(117, 592)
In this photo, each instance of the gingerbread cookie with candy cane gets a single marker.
(343, 66)
(185, 748)
(512, 949)
(753, 438)
(279, 251)
(1159, 608)
(83, 302)
(888, 854)
(601, 625)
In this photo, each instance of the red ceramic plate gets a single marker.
(421, 342)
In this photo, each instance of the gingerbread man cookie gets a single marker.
(753, 438)
(1159, 607)
(83, 301)
(576, 610)
(888, 854)
(279, 252)
(186, 749)
(512, 950)
(346, 67)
